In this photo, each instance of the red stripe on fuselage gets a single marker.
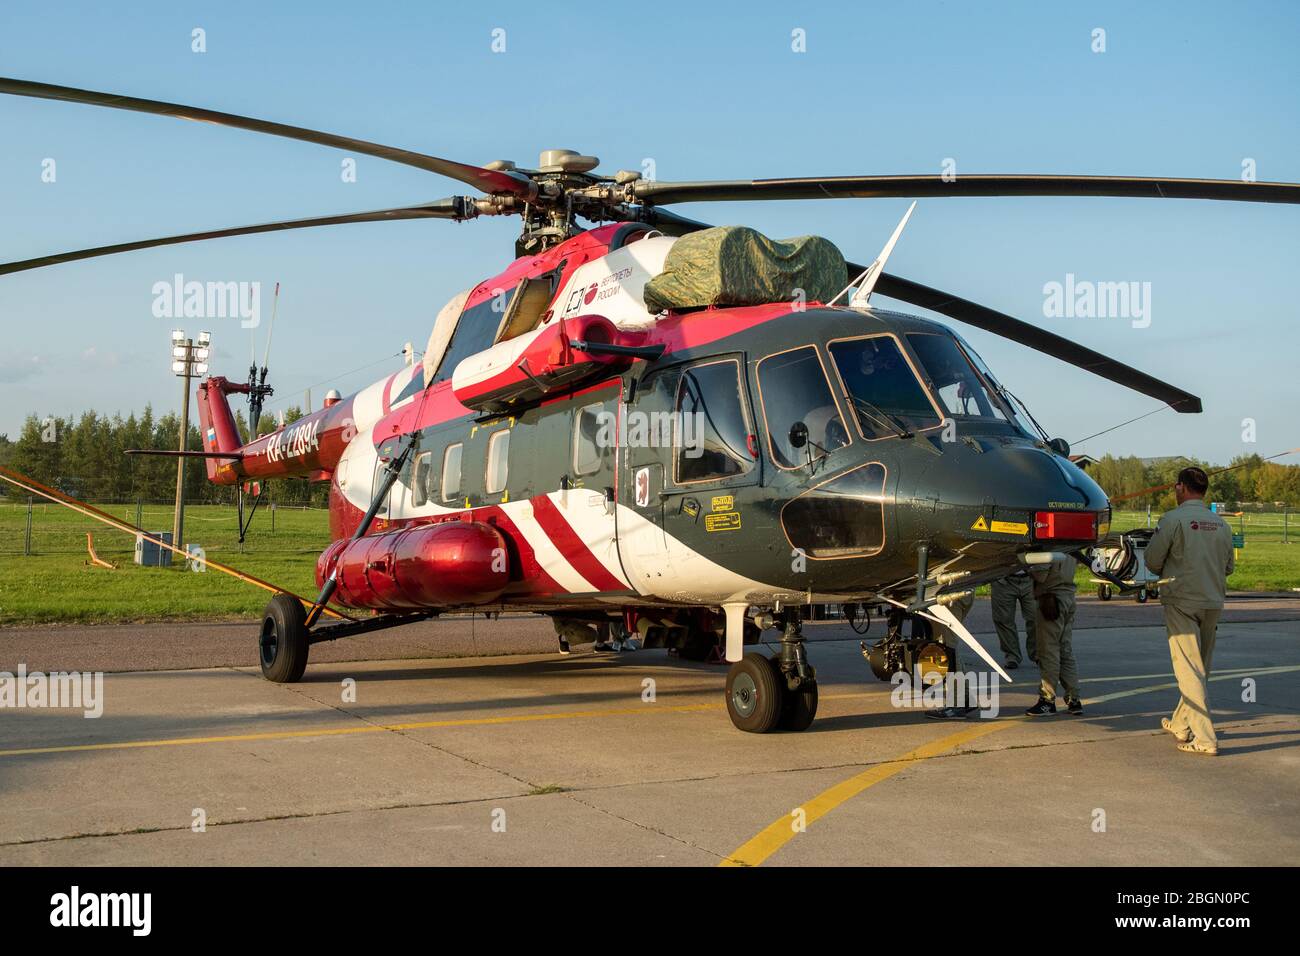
(573, 549)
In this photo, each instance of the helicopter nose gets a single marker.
(981, 490)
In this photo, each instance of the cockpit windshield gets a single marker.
(956, 380)
(1009, 402)
(885, 394)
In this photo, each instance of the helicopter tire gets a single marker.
(1103, 592)
(754, 697)
(1142, 595)
(798, 707)
(283, 645)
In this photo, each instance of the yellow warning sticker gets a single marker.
(727, 521)
(1000, 527)
(724, 502)
(1010, 527)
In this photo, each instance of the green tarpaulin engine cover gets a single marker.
(736, 265)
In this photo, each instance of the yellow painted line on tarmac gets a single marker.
(361, 729)
(376, 728)
(782, 830)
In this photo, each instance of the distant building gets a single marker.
(1083, 461)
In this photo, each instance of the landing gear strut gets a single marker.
(764, 693)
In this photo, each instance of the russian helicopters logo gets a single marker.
(74, 908)
(208, 300)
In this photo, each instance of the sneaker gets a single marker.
(1191, 747)
(1011, 663)
(1044, 706)
(1074, 706)
(1182, 736)
(603, 647)
(564, 647)
(949, 713)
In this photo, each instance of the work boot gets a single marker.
(1043, 707)
(1192, 747)
(1011, 663)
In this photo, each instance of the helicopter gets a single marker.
(689, 431)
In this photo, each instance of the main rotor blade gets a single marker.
(487, 180)
(455, 207)
(934, 185)
(1041, 340)
(981, 317)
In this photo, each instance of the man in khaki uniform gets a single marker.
(1053, 623)
(1192, 546)
(1008, 593)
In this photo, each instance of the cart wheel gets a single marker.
(1103, 591)
(1155, 593)
(1142, 595)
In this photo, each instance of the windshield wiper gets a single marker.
(883, 418)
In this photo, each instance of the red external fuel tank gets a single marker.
(452, 563)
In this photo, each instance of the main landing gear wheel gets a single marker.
(798, 707)
(754, 697)
(283, 645)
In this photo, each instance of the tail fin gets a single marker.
(218, 428)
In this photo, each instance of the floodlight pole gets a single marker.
(178, 522)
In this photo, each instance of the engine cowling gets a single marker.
(449, 564)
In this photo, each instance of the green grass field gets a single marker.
(1265, 564)
(57, 583)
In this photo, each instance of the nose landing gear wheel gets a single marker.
(283, 645)
(754, 695)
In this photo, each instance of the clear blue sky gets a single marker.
(707, 91)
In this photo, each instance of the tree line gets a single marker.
(1252, 481)
(86, 458)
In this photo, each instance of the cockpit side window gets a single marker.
(803, 420)
(882, 387)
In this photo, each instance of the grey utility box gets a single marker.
(149, 554)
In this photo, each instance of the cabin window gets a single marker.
(710, 432)
(587, 425)
(883, 390)
(451, 472)
(803, 421)
(498, 455)
(420, 478)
